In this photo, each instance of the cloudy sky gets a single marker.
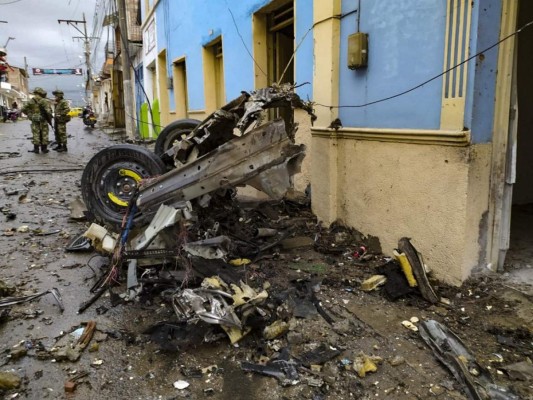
(42, 42)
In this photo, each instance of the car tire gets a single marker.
(110, 178)
(173, 133)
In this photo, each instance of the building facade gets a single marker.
(416, 104)
(428, 140)
(13, 83)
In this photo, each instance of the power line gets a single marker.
(434, 77)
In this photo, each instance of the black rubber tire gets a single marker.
(106, 189)
(173, 132)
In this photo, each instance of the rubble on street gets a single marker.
(184, 288)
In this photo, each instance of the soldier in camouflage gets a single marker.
(61, 117)
(40, 114)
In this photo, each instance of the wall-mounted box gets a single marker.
(357, 50)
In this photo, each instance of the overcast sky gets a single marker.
(42, 42)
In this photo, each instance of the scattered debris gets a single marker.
(70, 346)
(73, 381)
(9, 380)
(450, 350)
(80, 244)
(6, 290)
(418, 268)
(9, 301)
(364, 364)
(521, 371)
(180, 385)
(78, 210)
(373, 282)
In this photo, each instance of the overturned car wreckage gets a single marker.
(232, 146)
(151, 198)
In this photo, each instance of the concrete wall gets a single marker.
(397, 168)
(435, 195)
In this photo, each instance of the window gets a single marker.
(214, 75)
(149, 37)
(179, 74)
(273, 30)
(281, 44)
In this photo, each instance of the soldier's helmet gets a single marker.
(58, 93)
(39, 91)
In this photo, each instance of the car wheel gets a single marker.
(173, 133)
(110, 179)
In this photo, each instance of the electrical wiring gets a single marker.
(341, 16)
(434, 77)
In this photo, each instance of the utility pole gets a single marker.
(126, 70)
(8, 39)
(87, 46)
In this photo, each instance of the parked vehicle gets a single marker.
(11, 114)
(75, 112)
(89, 119)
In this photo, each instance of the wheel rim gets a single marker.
(118, 184)
(175, 138)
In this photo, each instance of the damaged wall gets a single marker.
(417, 164)
(432, 194)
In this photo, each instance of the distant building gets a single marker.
(13, 83)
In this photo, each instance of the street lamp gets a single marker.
(8, 39)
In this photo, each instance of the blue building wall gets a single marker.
(406, 40)
(482, 89)
(184, 26)
(303, 69)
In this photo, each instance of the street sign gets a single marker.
(65, 71)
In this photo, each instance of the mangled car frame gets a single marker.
(193, 160)
(150, 196)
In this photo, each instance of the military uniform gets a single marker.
(61, 117)
(40, 114)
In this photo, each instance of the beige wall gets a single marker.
(303, 136)
(436, 195)
(429, 185)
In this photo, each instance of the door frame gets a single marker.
(503, 155)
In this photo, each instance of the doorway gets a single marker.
(520, 253)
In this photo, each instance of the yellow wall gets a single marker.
(434, 194)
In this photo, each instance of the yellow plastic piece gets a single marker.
(406, 268)
(130, 173)
(373, 282)
(116, 200)
(239, 262)
(364, 365)
(235, 334)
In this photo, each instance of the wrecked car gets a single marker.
(152, 197)
(233, 146)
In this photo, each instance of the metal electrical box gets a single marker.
(357, 50)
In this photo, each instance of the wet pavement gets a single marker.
(493, 315)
